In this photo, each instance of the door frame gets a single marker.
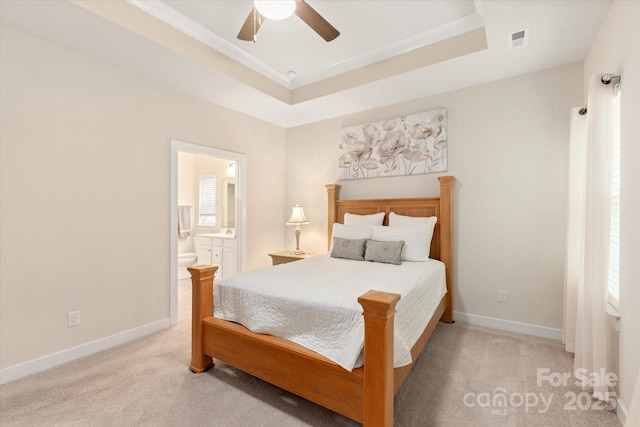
(241, 212)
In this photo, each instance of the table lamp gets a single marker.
(297, 219)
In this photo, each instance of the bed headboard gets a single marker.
(442, 207)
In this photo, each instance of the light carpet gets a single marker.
(147, 383)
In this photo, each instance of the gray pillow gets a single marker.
(348, 248)
(386, 252)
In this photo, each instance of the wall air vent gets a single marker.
(518, 39)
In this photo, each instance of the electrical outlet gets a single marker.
(73, 318)
(502, 296)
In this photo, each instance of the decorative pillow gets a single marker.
(417, 240)
(386, 252)
(348, 248)
(373, 219)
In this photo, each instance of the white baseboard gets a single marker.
(507, 325)
(621, 412)
(37, 365)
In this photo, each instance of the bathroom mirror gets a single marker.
(229, 202)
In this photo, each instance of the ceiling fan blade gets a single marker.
(247, 32)
(316, 21)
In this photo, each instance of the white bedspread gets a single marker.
(314, 302)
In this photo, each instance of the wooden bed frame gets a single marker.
(364, 394)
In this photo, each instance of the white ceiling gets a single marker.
(370, 31)
(198, 53)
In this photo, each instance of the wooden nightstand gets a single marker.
(288, 256)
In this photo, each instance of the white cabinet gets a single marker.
(218, 251)
(216, 254)
(203, 249)
(229, 257)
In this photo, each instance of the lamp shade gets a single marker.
(297, 216)
(276, 9)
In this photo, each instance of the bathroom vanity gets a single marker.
(217, 249)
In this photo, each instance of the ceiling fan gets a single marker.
(273, 9)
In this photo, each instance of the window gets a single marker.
(614, 238)
(207, 201)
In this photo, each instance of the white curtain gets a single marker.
(574, 260)
(585, 314)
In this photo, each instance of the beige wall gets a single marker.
(508, 148)
(616, 50)
(85, 181)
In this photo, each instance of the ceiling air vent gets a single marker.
(519, 39)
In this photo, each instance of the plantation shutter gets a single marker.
(207, 200)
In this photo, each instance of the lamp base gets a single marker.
(298, 251)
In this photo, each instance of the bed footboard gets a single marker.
(364, 394)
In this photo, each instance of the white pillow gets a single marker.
(428, 223)
(417, 240)
(350, 232)
(354, 219)
(396, 220)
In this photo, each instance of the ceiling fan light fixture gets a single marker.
(276, 9)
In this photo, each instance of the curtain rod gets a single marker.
(606, 79)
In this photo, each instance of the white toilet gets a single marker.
(186, 259)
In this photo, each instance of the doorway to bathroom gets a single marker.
(207, 216)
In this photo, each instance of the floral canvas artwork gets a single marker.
(407, 145)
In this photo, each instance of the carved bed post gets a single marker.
(202, 306)
(446, 239)
(379, 310)
(333, 192)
